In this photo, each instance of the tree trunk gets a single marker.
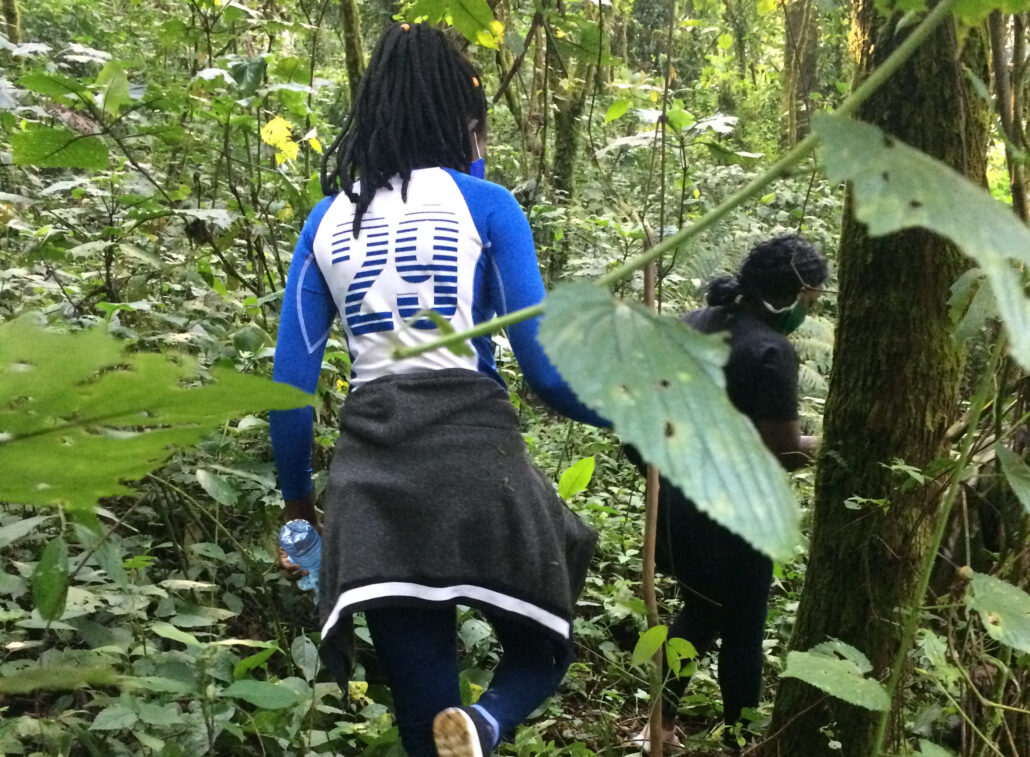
(568, 108)
(736, 18)
(354, 57)
(800, 55)
(893, 391)
(12, 21)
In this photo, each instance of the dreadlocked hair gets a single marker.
(778, 267)
(414, 108)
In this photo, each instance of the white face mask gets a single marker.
(789, 317)
(784, 309)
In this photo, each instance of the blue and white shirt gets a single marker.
(459, 245)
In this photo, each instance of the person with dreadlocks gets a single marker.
(432, 500)
(725, 582)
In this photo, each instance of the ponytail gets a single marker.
(723, 290)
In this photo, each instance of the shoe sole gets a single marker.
(455, 735)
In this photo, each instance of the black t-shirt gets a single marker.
(762, 372)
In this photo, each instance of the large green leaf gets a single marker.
(838, 677)
(263, 694)
(58, 148)
(249, 75)
(649, 643)
(1004, 610)
(576, 478)
(897, 187)
(117, 717)
(305, 657)
(114, 88)
(473, 18)
(217, 487)
(77, 416)
(57, 677)
(662, 386)
(50, 580)
(57, 86)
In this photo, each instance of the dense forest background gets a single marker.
(157, 160)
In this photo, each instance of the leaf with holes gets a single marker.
(839, 678)
(897, 187)
(1004, 610)
(50, 580)
(663, 388)
(58, 148)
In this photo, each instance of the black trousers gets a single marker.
(725, 584)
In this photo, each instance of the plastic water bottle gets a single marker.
(303, 546)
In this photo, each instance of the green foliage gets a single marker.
(676, 652)
(838, 669)
(473, 18)
(649, 643)
(58, 148)
(1004, 610)
(576, 478)
(79, 415)
(928, 749)
(50, 579)
(56, 677)
(897, 187)
(1017, 473)
(664, 391)
(141, 196)
(269, 696)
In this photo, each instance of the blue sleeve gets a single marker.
(307, 315)
(505, 231)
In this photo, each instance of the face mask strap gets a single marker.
(784, 309)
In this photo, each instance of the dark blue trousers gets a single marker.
(417, 647)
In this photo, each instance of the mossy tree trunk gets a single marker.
(11, 21)
(893, 392)
(800, 56)
(352, 49)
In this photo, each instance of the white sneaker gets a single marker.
(458, 734)
(643, 739)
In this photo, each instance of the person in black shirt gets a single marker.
(725, 581)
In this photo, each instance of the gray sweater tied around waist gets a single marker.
(433, 500)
